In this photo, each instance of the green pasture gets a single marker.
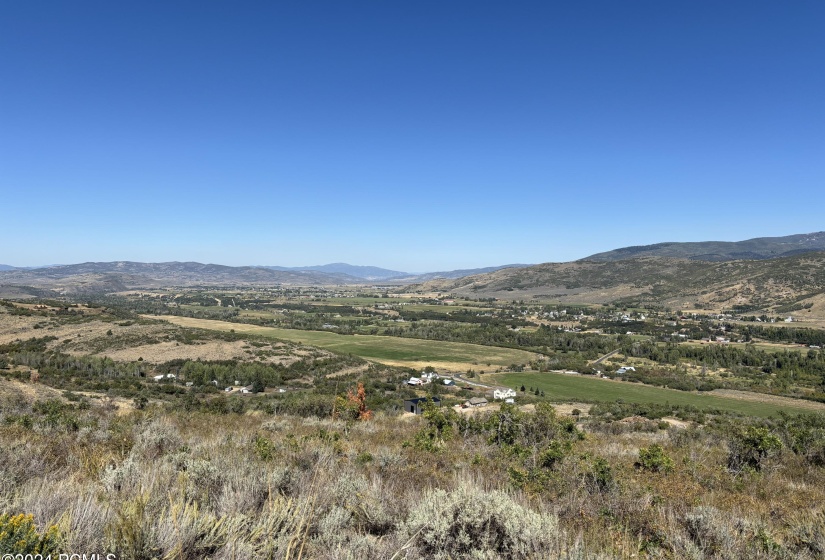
(563, 387)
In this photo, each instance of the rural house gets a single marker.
(475, 402)
(503, 394)
(416, 406)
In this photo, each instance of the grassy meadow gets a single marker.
(564, 387)
(410, 352)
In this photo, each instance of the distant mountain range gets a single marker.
(364, 272)
(375, 273)
(124, 275)
(451, 274)
(657, 273)
(750, 249)
(120, 275)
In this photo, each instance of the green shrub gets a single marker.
(554, 453)
(600, 475)
(264, 448)
(18, 535)
(439, 429)
(749, 450)
(654, 459)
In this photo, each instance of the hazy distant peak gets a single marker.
(363, 272)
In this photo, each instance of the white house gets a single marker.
(428, 377)
(159, 377)
(625, 369)
(504, 394)
(415, 381)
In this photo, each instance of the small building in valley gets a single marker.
(416, 406)
(499, 394)
(475, 402)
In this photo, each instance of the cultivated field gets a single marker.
(571, 387)
(409, 352)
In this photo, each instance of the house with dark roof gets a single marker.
(416, 406)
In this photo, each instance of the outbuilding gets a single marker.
(416, 406)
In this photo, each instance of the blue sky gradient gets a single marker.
(415, 136)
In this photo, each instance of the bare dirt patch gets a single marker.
(675, 422)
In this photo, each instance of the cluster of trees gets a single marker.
(815, 337)
(546, 339)
(772, 370)
(260, 374)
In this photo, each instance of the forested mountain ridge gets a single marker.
(757, 248)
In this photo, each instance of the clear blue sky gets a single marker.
(410, 135)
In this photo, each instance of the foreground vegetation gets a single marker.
(503, 484)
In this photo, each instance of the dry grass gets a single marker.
(168, 485)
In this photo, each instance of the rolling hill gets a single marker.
(783, 285)
(758, 248)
